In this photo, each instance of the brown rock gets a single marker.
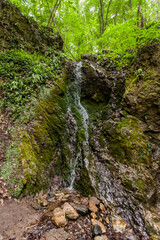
(119, 225)
(101, 238)
(92, 207)
(59, 217)
(93, 215)
(94, 200)
(96, 222)
(102, 207)
(84, 201)
(70, 212)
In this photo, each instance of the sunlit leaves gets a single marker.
(79, 22)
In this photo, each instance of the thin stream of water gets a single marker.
(85, 121)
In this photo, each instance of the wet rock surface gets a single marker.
(84, 227)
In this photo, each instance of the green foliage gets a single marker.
(24, 75)
(124, 40)
(10, 173)
(88, 26)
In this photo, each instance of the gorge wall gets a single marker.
(119, 160)
(98, 130)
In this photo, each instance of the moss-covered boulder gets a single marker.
(131, 155)
(40, 147)
(142, 95)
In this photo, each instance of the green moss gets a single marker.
(84, 184)
(9, 171)
(39, 147)
(127, 143)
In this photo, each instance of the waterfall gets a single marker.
(74, 93)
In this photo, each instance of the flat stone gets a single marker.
(94, 200)
(119, 225)
(101, 238)
(97, 230)
(70, 212)
(56, 234)
(96, 222)
(93, 215)
(59, 217)
(81, 209)
(92, 207)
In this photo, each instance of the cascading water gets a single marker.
(74, 93)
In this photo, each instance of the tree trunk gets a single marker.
(51, 18)
(109, 4)
(101, 17)
(140, 22)
(130, 3)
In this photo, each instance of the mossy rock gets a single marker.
(40, 146)
(127, 143)
(84, 184)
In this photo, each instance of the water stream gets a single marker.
(76, 92)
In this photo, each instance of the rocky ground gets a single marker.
(61, 215)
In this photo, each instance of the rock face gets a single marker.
(113, 152)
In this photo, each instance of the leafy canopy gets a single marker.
(93, 25)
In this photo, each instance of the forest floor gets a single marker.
(15, 217)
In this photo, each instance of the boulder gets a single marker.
(70, 212)
(59, 217)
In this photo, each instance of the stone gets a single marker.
(119, 225)
(94, 200)
(97, 230)
(84, 201)
(92, 207)
(56, 234)
(70, 212)
(93, 215)
(36, 205)
(102, 207)
(96, 222)
(101, 238)
(81, 209)
(59, 217)
(107, 220)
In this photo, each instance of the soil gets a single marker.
(15, 217)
